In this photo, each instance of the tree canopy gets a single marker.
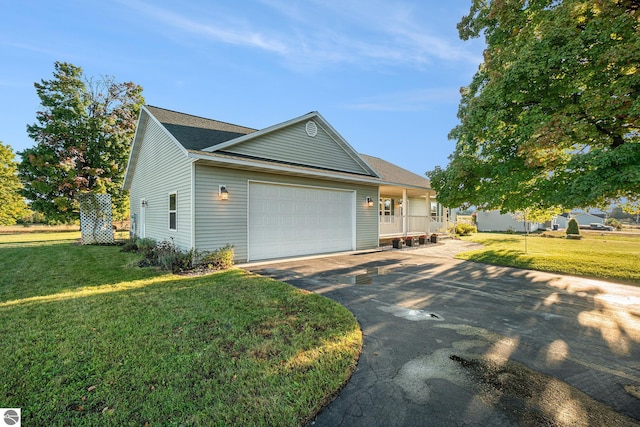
(552, 116)
(13, 206)
(632, 207)
(83, 138)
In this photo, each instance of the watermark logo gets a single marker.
(10, 417)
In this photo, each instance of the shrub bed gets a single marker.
(168, 256)
(463, 229)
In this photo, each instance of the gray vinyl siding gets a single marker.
(162, 168)
(293, 145)
(222, 222)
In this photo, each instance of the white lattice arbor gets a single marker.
(96, 219)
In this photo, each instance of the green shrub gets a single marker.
(463, 229)
(572, 227)
(130, 245)
(145, 245)
(168, 256)
(219, 259)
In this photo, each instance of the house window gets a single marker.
(173, 211)
(387, 207)
(434, 209)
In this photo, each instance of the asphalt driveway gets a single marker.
(427, 319)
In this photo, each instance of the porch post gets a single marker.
(428, 201)
(404, 212)
(378, 207)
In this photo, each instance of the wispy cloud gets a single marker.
(394, 31)
(321, 33)
(219, 32)
(415, 100)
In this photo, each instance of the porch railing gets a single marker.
(391, 225)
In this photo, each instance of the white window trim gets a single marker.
(174, 211)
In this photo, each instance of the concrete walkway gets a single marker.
(418, 308)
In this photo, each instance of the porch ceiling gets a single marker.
(390, 190)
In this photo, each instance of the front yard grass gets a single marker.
(89, 338)
(598, 255)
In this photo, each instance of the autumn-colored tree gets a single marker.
(632, 207)
(83, 138)
(13, 206)
(552, 117)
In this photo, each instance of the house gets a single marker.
(495, 221)
(561, 221)
(294, 188)
(585, 218)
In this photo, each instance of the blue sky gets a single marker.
(385, 74)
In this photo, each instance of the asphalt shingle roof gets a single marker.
(197, 133)
(392, 173)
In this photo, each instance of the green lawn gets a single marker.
(600, 255)
(89, 338)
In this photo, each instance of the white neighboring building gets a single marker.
(561, 221)
(584, 218)
(495, 221)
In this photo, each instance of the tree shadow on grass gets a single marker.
(501, 257)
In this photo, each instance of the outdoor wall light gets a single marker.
(145, 204)
(223, 194)
(369, 201)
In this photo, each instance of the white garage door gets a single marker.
(289, 221)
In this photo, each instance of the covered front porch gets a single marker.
(405, 211)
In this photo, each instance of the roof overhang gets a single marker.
(233, 162)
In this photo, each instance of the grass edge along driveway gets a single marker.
(596, 255)
(89, 338)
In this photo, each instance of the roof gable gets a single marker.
(147, 123)
(308, 140)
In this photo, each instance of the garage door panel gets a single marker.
(289, 220)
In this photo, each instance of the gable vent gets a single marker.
(311, 128)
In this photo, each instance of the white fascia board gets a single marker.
(138, 138)
(138, 135)
(169, 134)
(283, 168)
(345, 145)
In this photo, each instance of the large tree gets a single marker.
(552, 116)
(12, 205)
(632, 207)
(83, 137)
